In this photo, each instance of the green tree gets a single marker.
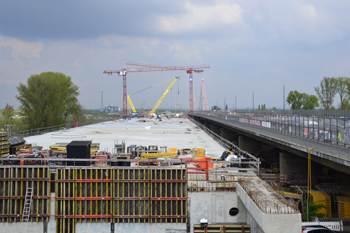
(298, 100)
(215, 107)
(326, 91)
(314, 208)
(343, 91)
(48, 99)
(7, 120)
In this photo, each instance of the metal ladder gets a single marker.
(27, 205)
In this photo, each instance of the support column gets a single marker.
(229, 135)
(250, 145)
(215, 129)
(295, 167)
(292, 164)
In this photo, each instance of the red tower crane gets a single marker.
(189, 70)
(123, 72)
(149, 68)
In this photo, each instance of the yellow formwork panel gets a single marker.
(14, 182)
(157, 155)
(93, 150)
(344, 207)
(200, 151)
(173, 150)
(120, 195)
(325, 199)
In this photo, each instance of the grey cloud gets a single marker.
(32, 20)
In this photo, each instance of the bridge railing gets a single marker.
(37, 131)
(331, 135)
(249, 161)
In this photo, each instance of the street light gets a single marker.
(308, 183)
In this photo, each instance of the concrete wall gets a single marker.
(215, 207)
(149, 227)
(268, 223)
(93, 227)
(37, 227)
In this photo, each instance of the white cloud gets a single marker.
(21, 48)
(199, 17)
(309, 11)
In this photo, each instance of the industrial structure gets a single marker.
(149, 68)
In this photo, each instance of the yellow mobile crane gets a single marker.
(134, 112)
(165, 93)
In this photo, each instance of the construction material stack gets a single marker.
(4, 143)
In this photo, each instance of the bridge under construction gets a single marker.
(186, 188)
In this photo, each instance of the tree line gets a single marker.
(325, 93)
(47, 99)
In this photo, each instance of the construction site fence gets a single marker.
(37, 131)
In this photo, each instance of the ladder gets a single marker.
(27, 205)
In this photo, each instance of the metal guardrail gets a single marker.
(37, 131)
(162, 164)
(278, 128)
(254, 161)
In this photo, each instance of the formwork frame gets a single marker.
(13, 184)
(120, 195)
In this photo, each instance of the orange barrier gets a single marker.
(203, 165)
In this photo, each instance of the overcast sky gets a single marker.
(251, 46)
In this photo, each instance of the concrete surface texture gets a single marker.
(37, 227)
(174, 133)
(215, 207)
(274, 222)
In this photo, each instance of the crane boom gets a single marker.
(131, 104)
(165, 93)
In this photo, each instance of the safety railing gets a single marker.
(247, 168)
(37, 131)
(325, 135)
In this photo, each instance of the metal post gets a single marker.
(125, 105)
(190, 72)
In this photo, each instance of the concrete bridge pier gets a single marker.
(250, 145)
(291, 164)
(215, 128)
(229, 135)
(206, 124)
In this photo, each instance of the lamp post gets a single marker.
(308, 183)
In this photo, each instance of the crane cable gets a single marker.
(151, 86)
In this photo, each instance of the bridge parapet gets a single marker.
(330, 137)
